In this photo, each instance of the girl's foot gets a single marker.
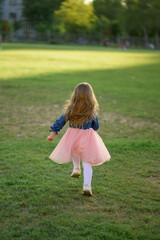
(87, 190)
(76, 173)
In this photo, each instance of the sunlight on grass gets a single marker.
(25, 63)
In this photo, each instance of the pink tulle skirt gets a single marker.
(86, 145)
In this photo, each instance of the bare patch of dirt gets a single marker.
(134, 123)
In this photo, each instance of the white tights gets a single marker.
(87, 170)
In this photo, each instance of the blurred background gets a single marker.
(122, 23)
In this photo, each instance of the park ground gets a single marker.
(38, 198)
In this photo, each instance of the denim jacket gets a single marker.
(60, 122)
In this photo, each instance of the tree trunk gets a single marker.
(145, 36)
(157, 39)
(157, 33)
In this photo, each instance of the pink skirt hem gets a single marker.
(86, 145)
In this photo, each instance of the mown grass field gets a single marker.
(38, 198)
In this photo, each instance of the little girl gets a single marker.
(81, 141)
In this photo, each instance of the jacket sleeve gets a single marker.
(95, 123)
(58, 125)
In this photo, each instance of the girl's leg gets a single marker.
(87, 172)
(76, 162)
(76, 167)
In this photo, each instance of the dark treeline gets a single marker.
(102, 18)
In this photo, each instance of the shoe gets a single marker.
(87, 190)
(76, 173)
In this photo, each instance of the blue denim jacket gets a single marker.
(60, 122)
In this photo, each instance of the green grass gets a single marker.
(38, 199)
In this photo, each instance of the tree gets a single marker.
(112, 10)
(132, 22)
(40, 11)
(115, 28)
(138, 18)
(76, 15)
(155, 19)
(109, 8)
(6, 29)
(143, 18)
(101, 26)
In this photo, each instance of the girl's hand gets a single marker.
(51, 136)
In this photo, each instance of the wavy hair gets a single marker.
(82, 106)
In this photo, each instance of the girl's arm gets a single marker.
(95, 123)
(51, 136)
(56, 127)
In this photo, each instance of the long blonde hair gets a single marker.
(82, 106)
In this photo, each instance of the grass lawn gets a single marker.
(38, 198)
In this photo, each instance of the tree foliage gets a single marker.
(132, 17)
(76, 15)
(142, 17)
(102, 17)
(40, 11)
(101, 26)
(112, 10)
(109, 8)
(6, 29)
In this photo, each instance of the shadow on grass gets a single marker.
(115, 88)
